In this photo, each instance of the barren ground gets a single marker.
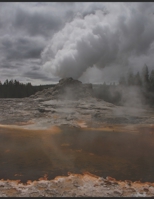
(90, 113)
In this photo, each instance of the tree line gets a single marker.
(16, 89)
(114, 93)
(144, 80)
(142, 83)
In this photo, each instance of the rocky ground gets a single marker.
(76, 185)
(72, 103)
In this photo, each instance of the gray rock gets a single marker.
(67, 88)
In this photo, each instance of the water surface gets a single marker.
(30, 154)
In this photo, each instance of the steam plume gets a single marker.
(102, 40)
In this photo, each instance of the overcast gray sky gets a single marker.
(90, 41)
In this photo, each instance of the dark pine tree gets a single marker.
(145, 77)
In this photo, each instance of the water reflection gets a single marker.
(29, 154)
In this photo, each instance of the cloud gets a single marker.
(21, 47)
(30, 18)
(36, 75)
(24, 32)
(104, 38)
(78, 39)
(36, 23)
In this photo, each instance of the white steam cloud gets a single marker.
(121, 37)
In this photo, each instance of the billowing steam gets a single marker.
(116, 39)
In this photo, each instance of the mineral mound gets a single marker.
(67, 88)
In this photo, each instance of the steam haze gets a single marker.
(120, 36)
(90, 41)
